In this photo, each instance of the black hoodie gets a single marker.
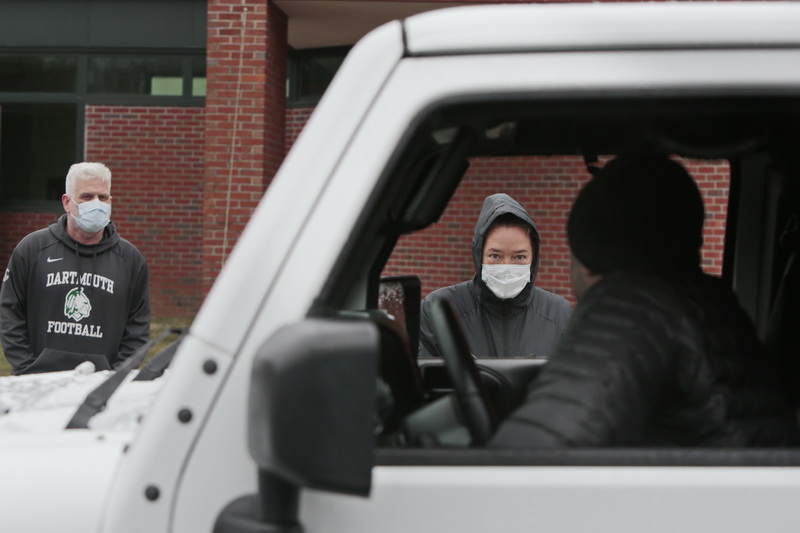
(530, 324)
(655, 360)
(63, 302)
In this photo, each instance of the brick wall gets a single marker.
(296, 118)
(246, 80)
(156, 158)
(546, 186)
(16, 225)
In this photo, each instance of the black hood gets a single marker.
(493, 207)
(110, 238)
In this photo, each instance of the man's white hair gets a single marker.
(86, 171)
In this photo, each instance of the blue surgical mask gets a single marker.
(93, 215)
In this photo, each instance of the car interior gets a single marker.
(443, 411)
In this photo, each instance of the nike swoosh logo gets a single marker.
(49, 260)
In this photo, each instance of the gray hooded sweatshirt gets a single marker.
(530, 324)
(62, 302)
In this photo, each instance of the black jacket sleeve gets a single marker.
(13, 311)
(427, 341)
(137, 328)
(600, 387)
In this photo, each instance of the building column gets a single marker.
(245, 119)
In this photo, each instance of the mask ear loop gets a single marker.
(70, 211)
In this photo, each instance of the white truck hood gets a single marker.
(47, 402)
(56, 479)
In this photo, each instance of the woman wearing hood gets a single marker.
(503, 313)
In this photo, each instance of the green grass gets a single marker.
(5, 368)
(157, 325)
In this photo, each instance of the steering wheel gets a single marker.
(470, 394)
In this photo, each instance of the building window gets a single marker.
(159, 76)
(42, 101)
(37, 144)
(53, 74)
(151, 76)
(310, 72)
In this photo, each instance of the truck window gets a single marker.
(542, 158)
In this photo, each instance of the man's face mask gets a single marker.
(93, 215)
(506, 281)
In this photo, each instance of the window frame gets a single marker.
(81, 97)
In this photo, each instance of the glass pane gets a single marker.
(198, 76)
(37, 146)
(316, 74)
(131, 75)
(166, 86)
(55, 74)
(198, 87)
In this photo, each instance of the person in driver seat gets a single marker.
(504, 314)
(658, 353)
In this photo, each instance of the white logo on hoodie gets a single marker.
(70, 277)
(77, 305)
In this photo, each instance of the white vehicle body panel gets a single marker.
(57, 480)
(354, 177)
(68, 472)
(597, 499)
(157, 455)
(295, 237)
(281, 267)
(512, 28)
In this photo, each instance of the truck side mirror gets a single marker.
(312, 404)
(400, 296)
(312, 414)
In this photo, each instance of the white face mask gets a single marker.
(93, 215)
(506, 281)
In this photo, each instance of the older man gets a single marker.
(75, 291)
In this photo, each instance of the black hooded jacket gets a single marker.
(655, 360)
(530, 324)
(657, 353)
(63, 302)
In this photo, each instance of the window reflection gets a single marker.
(54, 74)
(135, 75)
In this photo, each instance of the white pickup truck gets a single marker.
(296, 400)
